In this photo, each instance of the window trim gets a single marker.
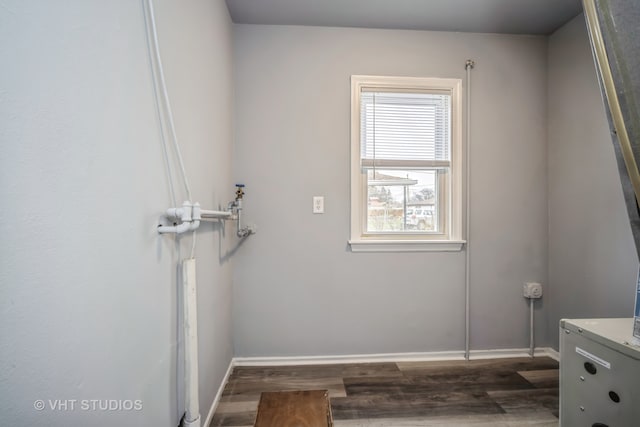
(360, 241)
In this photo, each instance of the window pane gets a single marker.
(405, 126)
(404, 201)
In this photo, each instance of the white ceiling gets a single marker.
(481, 16)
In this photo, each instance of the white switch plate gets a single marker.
(318, 204)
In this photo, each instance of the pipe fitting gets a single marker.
(196, 212)
(174, 212)
(246, 231)
(186, 211)
(195, 216)
(190, 216)
(185, 215)
(177, 229)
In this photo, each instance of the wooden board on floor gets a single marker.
(309, 408)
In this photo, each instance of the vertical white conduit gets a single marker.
(192, 406)
(192, 410)
(165, 95)
(467, 282)
(165, 150)
(531, 329)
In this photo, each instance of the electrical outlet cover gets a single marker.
(318, 204)
(532, 290)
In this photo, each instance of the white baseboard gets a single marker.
(348, 358)
(551, 353)
(392, 357)
(512, 352)
(216, 400)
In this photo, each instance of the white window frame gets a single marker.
(361, 241)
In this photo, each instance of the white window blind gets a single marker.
(405, 130)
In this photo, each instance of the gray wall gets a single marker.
(592, 259)
(297, 288)
(88, 296)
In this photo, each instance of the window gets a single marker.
(406, 164)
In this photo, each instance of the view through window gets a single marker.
(400, 200)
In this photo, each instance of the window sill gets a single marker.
(406, 245)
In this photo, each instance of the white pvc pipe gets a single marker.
(192, 414)
(193, 212)
(189, 215)
(184, 213)
(175, 212)
(177, 229)
(467, 278)
(158, 109)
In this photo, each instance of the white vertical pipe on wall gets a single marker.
(467, 280)
(190, 324)
(192, 415)
(165, 95)
(531, 328)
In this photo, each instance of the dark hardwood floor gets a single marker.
(479, 393)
